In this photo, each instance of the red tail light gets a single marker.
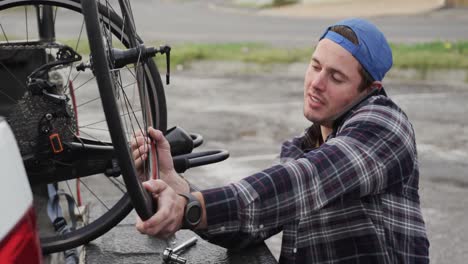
(21, 245)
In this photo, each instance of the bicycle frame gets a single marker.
(45, 22)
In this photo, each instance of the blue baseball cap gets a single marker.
(373, 51)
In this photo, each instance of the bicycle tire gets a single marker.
(141, 200)
(123, 206)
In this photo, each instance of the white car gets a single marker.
(19, 238)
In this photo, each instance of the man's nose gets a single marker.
(319, 81)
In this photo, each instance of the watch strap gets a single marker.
(192, 202)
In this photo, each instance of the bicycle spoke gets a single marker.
(90, 136)
(8, 96)
(96, 128)
(119, 83)
(102, 121)
(87, 134)
(74, 79)
(123, 117)
(76, 49)
(122, 30)
(141, 82)
(4, 34)
(126, 102)
(89, 101)
(128, 85)
(97, 98)
(133, 134)
(81, 85)
(92, 192)
(130, 71)
(71, 80)
(118, 184)
(125, 120)
(125, 94)
(73, 196)
(14, 76)
(131, 111)
(127, 11)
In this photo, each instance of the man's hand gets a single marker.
(168, 218)
(140, 146)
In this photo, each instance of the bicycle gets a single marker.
(55, 144)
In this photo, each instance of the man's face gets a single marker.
(331, 83)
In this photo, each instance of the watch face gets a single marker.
(193, 215)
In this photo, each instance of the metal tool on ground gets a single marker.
(170, 255)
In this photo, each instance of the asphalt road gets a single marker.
(213, 21)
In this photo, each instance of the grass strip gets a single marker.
(433, 55)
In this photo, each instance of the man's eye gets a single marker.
(336, 79)
(316, 67)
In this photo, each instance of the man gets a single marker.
(347, 190)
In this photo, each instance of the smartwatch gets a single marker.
(192, 212)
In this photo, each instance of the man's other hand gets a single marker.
(168, 218)
(141, 145)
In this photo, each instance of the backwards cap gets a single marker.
(373, 51)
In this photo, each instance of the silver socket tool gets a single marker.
(170, 255)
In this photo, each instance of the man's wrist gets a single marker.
(203, 221)
(184, 201)
(177, 183)
(192, 188)
(192, 211)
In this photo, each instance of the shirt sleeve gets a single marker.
(374, 149)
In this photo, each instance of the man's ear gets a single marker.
(376, 85)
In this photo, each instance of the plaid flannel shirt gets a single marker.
(354, 199)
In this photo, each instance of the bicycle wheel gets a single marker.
(91, 128)
(103, 61)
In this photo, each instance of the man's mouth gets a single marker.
(316, 99)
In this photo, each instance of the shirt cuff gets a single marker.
(221, 209)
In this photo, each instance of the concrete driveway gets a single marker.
(250, 114)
